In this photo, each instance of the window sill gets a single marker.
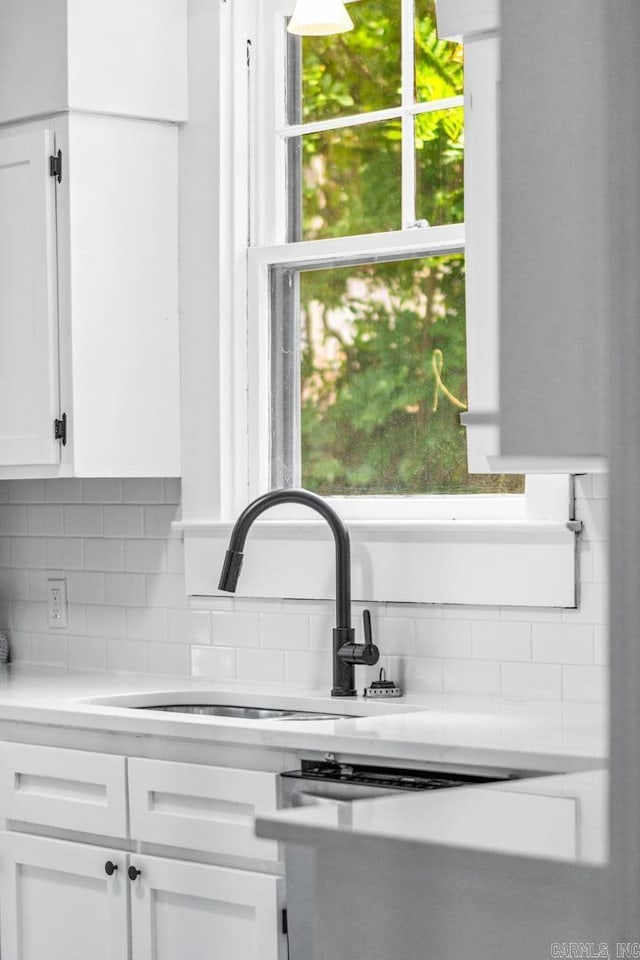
(471, 561)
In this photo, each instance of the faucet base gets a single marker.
(339, 692)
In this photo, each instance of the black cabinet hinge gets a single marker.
(60, 429)
(285, 922)
(55, 166)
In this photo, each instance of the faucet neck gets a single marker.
(340, 535)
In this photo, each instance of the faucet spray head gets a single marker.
(231, 571)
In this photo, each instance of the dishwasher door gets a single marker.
(299, 860)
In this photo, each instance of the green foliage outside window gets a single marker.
(373, 420)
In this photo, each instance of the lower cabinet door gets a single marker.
(60, 901)
(202, 912)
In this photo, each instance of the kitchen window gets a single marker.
(342, 337)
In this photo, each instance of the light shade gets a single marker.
(319, 18)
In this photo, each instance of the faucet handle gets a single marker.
(368, 633)
(369, 652)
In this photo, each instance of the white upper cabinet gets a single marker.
(28, 301)
(125, 57)
(89, 334)
(536, 227)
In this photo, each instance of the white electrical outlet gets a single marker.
(57, 604)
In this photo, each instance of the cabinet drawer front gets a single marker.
(201, 808)
(63, 788)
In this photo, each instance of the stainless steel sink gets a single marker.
(242, 713)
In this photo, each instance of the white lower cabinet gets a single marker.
(65, 899)
(202, 912)
(58, 902)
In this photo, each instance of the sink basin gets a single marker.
(241, 712)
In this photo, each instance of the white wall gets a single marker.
(128, 611)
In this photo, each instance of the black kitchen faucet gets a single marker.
(346, 652)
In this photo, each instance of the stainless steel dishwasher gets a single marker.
(329, 783)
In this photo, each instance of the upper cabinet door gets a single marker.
(28, 301)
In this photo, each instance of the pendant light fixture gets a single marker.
(319, 18)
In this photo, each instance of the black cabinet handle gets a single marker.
(110, 868)
(134, 873)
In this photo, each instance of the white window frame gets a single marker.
(542, 518)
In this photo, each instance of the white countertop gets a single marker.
(562, 818)
(546, 737)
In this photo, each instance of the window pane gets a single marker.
(353, 72)
(382, 380)
(440, 166)
(438, 66)
(349, 181)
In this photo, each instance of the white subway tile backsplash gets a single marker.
(190, 627)
(113, 541)
(102, 490)
(21, 647)
(217, 663)
(143, 491)
(45, 520)
(86, 653)
(473, 678)
(5, 544)
(85, 587)
(308, 669)
(452, 611)
(66, 553)
(103, 621)
(28, 552)
(123, 521)
(284, 631)
(531, 681)
(125, 589)
(601, 562)
(168, 658)
(235, 629)
(175, 556)
(321, 632)
(83, 520)
(50, 649)
(584, 684)
(563, 643)
(146, 623)
(394, 636)
(165, 590)
(426, 677)
(105, 555)
(127, 656)
(27, 491)
(14, 584)
(261, 666)
(530, 615)
(13, 520)
(145, 556)
(501, 641)
(601, 650)
(28, 616)
(446, 638)
(63, 491)
(172, 490)
(158, 520)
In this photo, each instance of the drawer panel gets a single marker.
(211, 809)
(71, 789)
